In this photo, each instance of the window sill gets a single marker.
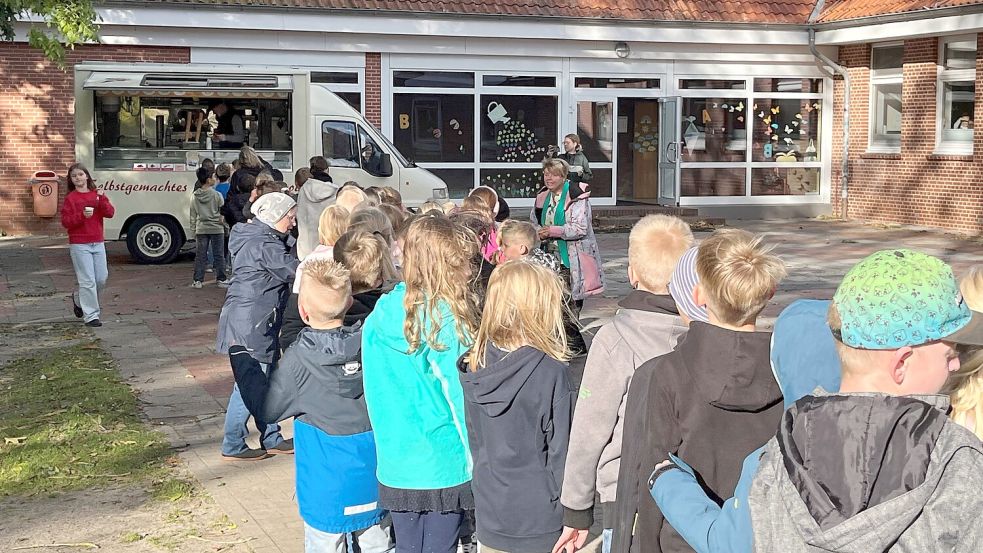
(943, 156)
(881, 155)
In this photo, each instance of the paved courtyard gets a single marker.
(161, 332)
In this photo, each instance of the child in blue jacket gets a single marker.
(319, 380)
(803, 357)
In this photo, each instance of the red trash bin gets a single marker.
(44, 187)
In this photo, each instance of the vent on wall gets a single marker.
(209, 81)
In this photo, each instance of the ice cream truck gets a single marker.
(143, 130)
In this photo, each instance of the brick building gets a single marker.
(722, 106)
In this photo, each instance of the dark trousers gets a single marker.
(575, 341)
(428, 532)
(216, 244)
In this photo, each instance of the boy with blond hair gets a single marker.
(518, 239)
(712, 400)
(646, 326)
(368, 259)
(319, 381)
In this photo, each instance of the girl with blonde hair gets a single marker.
(411, 343)
(966, 385)
(518, 393)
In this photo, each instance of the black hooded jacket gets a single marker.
(519, 409)
(711, 401)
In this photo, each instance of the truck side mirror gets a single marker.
(385, 166)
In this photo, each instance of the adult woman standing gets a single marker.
(82, 215)
(573, 154)
(562, 214)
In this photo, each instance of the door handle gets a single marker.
(672, 147)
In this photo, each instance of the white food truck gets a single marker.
(143, 130)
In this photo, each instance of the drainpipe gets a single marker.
(825, 64)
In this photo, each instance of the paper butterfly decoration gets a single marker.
(776, 109)
(740, 106)
(788, 130)
(798, 116)
(740, 118)
(768, 120)
(760, 114)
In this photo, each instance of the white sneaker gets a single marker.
(196, 284)
(209, 270)
(224, 283)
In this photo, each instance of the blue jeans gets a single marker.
(234, 441)
(374, 539)
(210, 250)
(606, 540)
(89, 261)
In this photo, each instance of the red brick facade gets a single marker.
(373, 88)
(913, 187)
(37, 121)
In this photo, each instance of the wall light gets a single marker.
(622, 50)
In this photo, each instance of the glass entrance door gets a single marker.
(638, 149)
(595, 127)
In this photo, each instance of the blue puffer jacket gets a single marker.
(803, 357)
(319, 381)
(262, 271)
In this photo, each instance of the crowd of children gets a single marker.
(424, 357)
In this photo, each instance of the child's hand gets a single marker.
(544, 233)
(571, 539)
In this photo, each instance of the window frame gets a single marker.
(943, 146)
(877, 142)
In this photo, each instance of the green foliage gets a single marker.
(66, 24)
(67, 422)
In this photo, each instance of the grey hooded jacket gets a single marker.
(262, 271)
(646, 326)
(313, 197)
(860, 473)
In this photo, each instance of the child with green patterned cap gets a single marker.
(879, 466)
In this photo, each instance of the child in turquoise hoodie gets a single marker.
(410, 347)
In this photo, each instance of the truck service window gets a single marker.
(175, 132)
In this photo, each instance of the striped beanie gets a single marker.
(684, 279)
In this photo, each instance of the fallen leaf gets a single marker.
(15, 441)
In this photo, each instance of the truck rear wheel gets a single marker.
(154, 240)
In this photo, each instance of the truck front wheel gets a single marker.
(154, 240)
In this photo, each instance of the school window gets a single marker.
(885, 91)
(956, 90)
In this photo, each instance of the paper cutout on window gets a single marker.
(768, 149)
(722, 106)
(802, 132)
(798, 116)
(714, 106)
(754, 107)
(404, 121)
(691, 136)
(776, 109)
(774, 126)
(788, 140)
(787, 157)
(437, 134)
(645, 120)
(761, 114)
(740, 118)
(768, 120)
(497, 113)
(788, 130)
(774, 137)
(706, 117)
(740, 106)
(454, 124)
(817, 106)
(795, 123)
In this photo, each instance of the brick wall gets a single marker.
(915, 186)
(373, 88)
(37, 111)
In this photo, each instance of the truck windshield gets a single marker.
(175, 132)
(395, 152)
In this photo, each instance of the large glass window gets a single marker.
(434, 127)
(957, 92)
(713, 129)
(517, 129)
(433, 79)
(886, 103)
(784, 179)
(712, 181)
(786, 129)
(136, 132)
(513, 183)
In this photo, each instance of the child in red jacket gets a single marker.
(82, 215)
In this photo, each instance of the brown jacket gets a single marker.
(712, 401)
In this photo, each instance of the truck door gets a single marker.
(354, 155)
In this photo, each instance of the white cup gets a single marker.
(89, 211)
(576, 169)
